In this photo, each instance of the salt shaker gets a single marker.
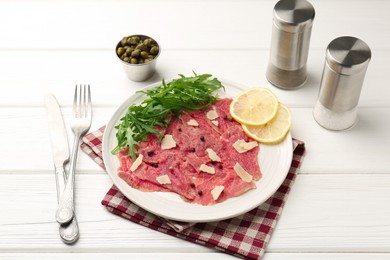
(292, 23)
(345, 67)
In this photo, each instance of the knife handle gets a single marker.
(61, 178)
(68, 233)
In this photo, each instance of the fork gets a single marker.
(80, 124)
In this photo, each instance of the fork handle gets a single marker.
(65, 211)
(70, 233)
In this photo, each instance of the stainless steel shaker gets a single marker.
(346, 63)
(292, 23)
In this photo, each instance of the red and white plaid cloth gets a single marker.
(243, 236)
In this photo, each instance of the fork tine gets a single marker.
(82, 105)
(82, 102)
(89, 108)
(75, 112)
(87, 100)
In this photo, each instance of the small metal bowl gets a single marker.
(142, 71)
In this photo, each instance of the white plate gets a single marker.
(274, 160)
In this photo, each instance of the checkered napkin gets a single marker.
(244, 236)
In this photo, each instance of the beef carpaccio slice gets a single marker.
(182, 163)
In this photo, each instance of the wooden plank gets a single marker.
(59, 71)
(365, 147)
(352, 217)
(179, 24)
(357, 150)
(190, 256)
(320, 256)
(335, 213)
(98, 256)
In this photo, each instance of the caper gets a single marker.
(148, 42)
(134, 61)
(142, 47)
(123, 41)
(120, 51)
(141, 60)
(135, 53)
(154, 50)
(128, 52)
(147, 60)
(126, 59)
(144, 54)
(133, 40)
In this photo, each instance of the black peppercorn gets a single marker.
(192, 185)
(220, 166)
(150, 153)
(200, 193)
(179, 129)
(213, 162)
(155, 165)
(225, 117)
(193, 149)
(202, 138)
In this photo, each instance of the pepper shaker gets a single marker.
(292, 23)
(345, 67)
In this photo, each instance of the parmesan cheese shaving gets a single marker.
(163, 179)
(245, 176)
(212, 114)
(217, 191)
(241, 146)
(137, 163)
(215, 122)
(192, 122)
(213, 155)
(207, 169)
(168, 142)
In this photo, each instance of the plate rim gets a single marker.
(125, 189)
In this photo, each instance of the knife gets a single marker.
(60, 149)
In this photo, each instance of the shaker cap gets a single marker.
(348, 55)
(293, 15)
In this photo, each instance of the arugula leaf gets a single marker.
(163, 103)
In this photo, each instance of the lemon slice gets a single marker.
(255, 106)
(274, 131)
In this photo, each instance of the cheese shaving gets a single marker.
(213, 155)
(244, 175)
(207, 169)
(212, 114)
(217, 191)
(163, 179)
(168, 142)
(215, 122)
(136, 163)
(241, 146)
(192, 122)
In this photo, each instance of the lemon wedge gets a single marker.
(254, 107)
(274, 131)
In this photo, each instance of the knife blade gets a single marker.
(60, 151)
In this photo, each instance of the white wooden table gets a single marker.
(339, 207)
